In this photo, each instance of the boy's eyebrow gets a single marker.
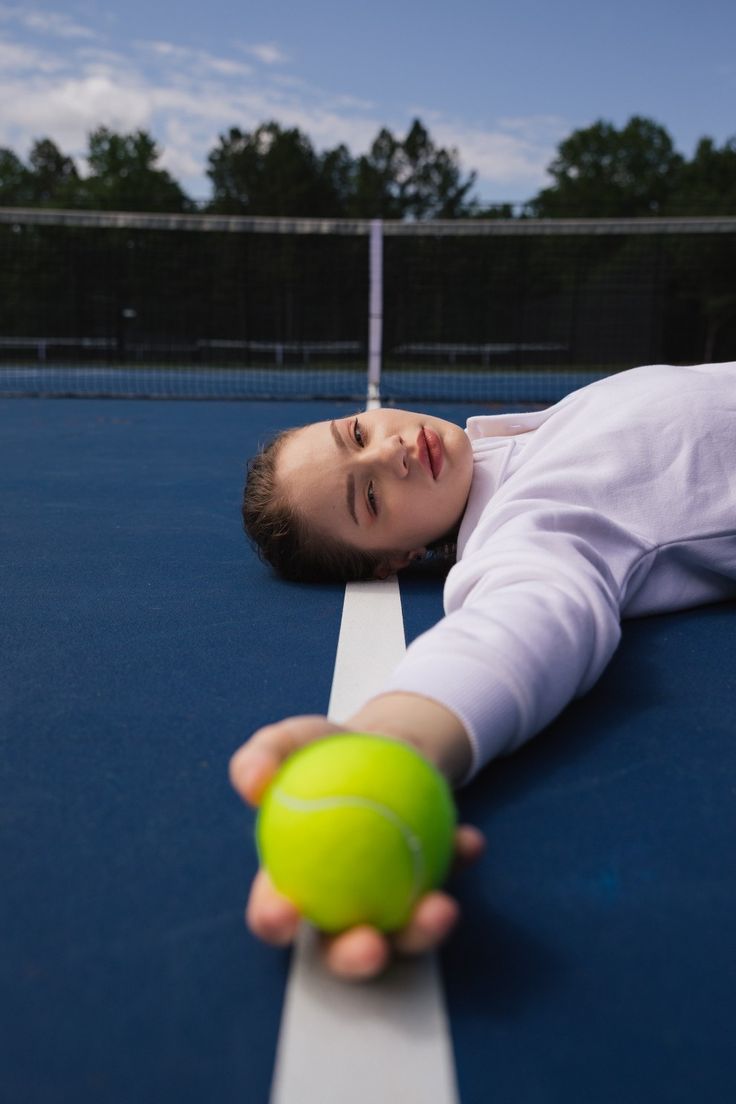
(337, 435)
(350, 489)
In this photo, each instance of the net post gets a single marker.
(375, 312)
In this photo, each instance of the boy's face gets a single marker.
(384, 479)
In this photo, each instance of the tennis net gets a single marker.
(208, 306)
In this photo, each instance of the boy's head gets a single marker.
(359, 497)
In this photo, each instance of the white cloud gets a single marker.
(181, 155)
(512, 155)
(17, 58)
(90, 59)
(44, 22)
(68, 109)
(267, 52)
(536, 128)
(187, 97)
(198, 61)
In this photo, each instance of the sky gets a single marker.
(503, 83)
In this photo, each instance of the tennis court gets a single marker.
(142, 643)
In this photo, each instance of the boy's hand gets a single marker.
(361, 952)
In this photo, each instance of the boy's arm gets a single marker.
(433, 729)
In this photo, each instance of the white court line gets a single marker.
(386, 1040)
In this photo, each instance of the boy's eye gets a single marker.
(372, 500)
(358, 434)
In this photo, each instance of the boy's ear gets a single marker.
(395, 563)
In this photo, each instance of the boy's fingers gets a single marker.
(251, 770)
(254, 764)
(470, 843)
(434, 918)
(363, 952)
(357, 954)
(269, 915)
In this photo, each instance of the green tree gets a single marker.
(435, 188)
(480, 210)
(410, 178)
(602, 172)
(54, 179)
(703, 266)
(706, 185)
(338, 175)
(375, 185)
(271, 171)
(15, 183)
(124, 175)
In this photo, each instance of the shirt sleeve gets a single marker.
(533, 619)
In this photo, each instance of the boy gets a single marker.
(618, 501)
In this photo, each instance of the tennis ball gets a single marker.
(354, 828)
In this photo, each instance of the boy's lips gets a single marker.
(431, 453)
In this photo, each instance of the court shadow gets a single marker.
(632, 688)
(567, 785)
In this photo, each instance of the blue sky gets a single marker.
(502, 82)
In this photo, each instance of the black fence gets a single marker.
(79, 288)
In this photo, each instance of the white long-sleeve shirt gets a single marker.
(618, 501)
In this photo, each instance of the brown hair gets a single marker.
(283, 539)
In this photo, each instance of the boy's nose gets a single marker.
(392, 453)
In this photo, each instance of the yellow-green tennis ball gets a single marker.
(354, 829)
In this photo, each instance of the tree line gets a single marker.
(598, 298)
(599, 171)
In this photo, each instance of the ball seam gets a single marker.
(319, 804)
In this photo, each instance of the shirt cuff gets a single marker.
(487, 708)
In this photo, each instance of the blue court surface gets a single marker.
(142, 642)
